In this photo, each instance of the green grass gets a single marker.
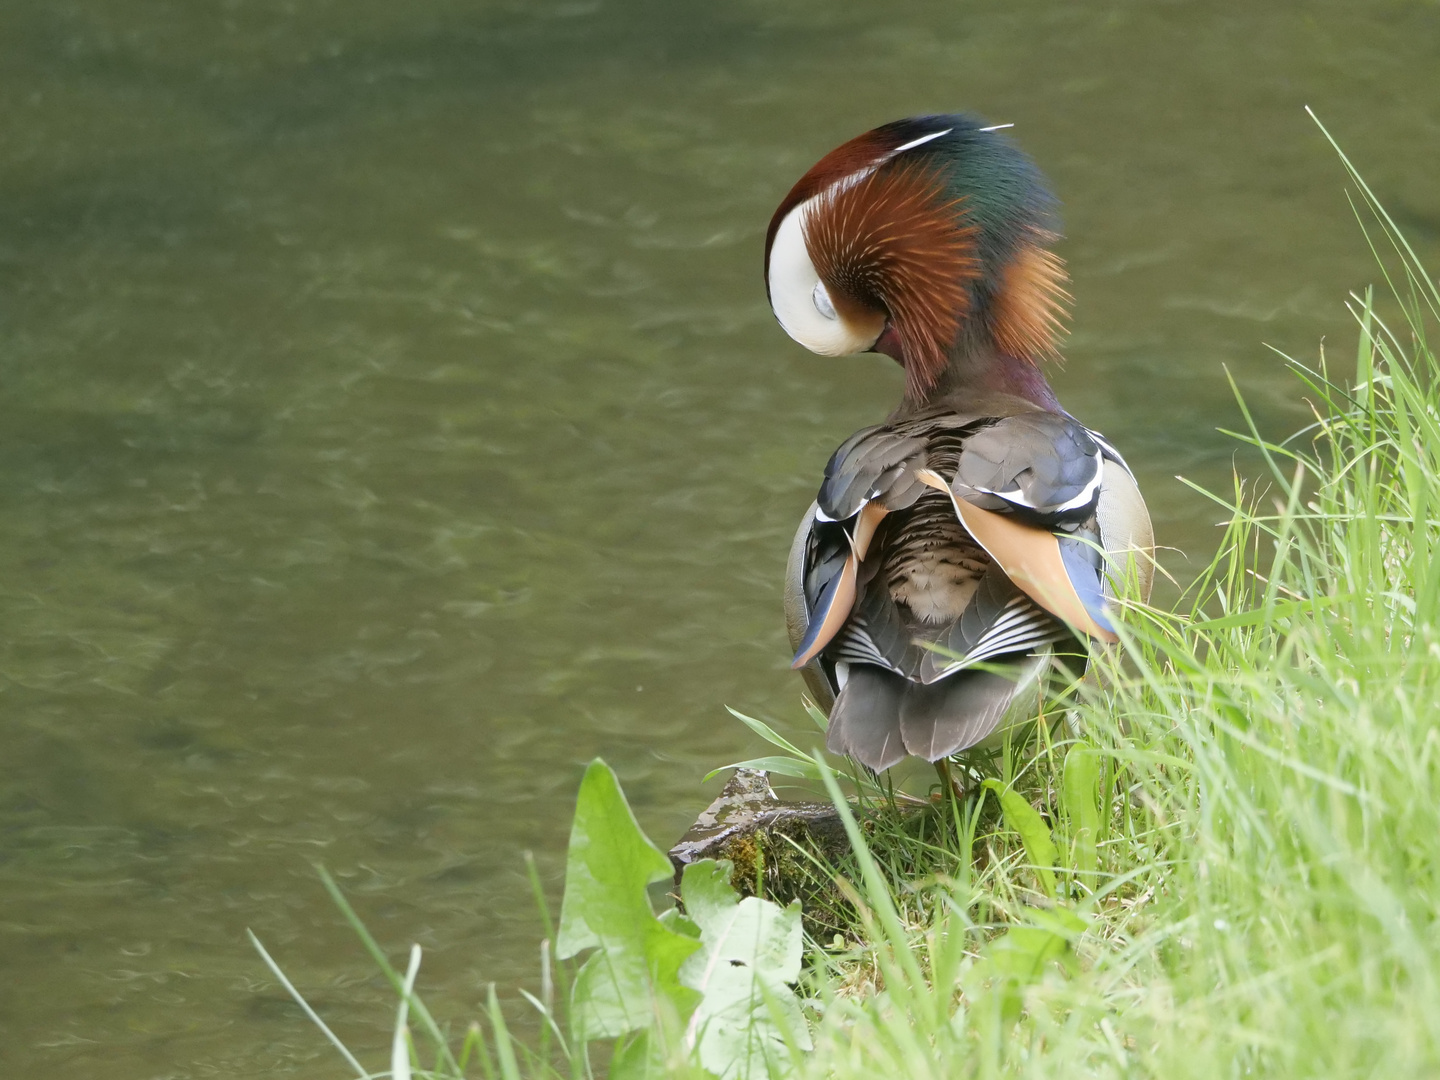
(1226, 860)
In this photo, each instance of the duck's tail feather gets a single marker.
(865, 719)
(953, 714)
(879, 717)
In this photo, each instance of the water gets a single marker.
(392, 420)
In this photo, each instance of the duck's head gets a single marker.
(924, 239)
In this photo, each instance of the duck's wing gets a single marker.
(871, 474)
(1027, 488)
(1014, 480)
(797, 609)
(1123, 522)
(1033, 491)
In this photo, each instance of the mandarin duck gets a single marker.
(954, 551)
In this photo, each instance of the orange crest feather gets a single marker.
(1031, 305)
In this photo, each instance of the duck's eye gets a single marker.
(822, 301)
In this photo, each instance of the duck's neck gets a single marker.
(982, 372)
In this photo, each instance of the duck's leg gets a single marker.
(947, 781)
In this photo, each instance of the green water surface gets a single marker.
(391, 420)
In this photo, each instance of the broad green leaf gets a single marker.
(639, 1057)
(634, 1061)
(652, 1054)
(675, 919)
(1026, 820)
(1082, 778)
(1021, 956)
(1024, 951)
(633, 976)
(750, 953)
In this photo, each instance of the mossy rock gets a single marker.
(780, 850)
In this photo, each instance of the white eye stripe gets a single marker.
(845, 183)
(796, 293)
(799, 298)
(916, 142)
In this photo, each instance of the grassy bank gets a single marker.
(1224, 863)
(1267, 825)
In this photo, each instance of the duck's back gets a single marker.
(894, 602)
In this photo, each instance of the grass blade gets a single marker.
(305, 1007)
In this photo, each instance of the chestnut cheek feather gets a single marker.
(825, 323)
(892, 241)
(848, 159)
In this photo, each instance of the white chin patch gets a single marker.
(802, 303)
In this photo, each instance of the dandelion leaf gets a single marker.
(636, 1058)
(1082, 778)
(749, 955)
(631, 980)
(1022, 956)
(1026, 820)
